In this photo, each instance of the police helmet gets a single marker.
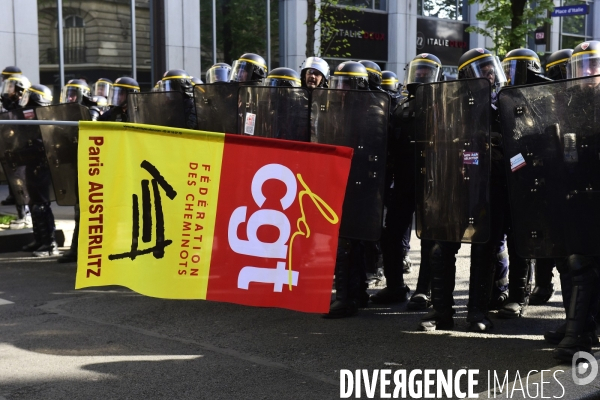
(374, 72)
(122, 86)
(36, 96)
(15, 85)
(314, 66)
(585, 60)
(389, 81)
(556, 65)
(220, 72)
(196, 81)
(176, 80)
(283, 77)
(74, 91)
(518, 64)
(249, 67)
(481, 63)
(424, 68)
(350, 75)
(102, 87)
(10, 71)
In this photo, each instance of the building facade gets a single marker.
(97, 35)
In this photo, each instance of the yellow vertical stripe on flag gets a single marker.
(124, 167)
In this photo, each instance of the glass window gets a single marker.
(577, 28)
(379, 5)
(447, 9)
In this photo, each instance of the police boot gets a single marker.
(544, 288)
(480, 286)
(518, 289)
(342, 306)
(421, 300)
(49, 246)
(396, 290)
(579, 320)
(442, 285)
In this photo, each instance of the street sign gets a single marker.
(567, 11)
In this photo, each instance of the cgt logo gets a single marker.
(280, 250)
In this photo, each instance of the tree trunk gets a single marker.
(227, 33)
(517, 7)
(310, 28)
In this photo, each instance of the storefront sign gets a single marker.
(447, 40)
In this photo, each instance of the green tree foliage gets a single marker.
(330, 18)
(510, 21)
(241, 28)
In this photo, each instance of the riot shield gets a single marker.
(157, 108)
(551, 138)
(357, 119)
(452, 121)
(24, 161)
(217, 107)
(274, 112)
(60, 144)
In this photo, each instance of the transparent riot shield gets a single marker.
(452, 121)
(274, 112)
(60, 144)
(357, 119)
(24, 161)
(157, 108)
(217, 107)
(551, 139)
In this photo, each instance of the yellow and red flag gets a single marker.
(182, 214)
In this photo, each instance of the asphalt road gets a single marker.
(61, 343)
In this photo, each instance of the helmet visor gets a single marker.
(173, 85)
(423, 71)
(288, 81)
(8, 87)
(515, 72)
(241, 71)
(102, 88)
(25, 98)
(217, 75)
(71, 94)
(342, 82)
(583, 64)
(118, 96)
(488, 67)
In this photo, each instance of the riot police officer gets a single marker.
(177, 80)
(6, 73)
(75, 91)
(13, 87)
(391, 84)
(118, 99)
(522, 67)
(424, 68)
(375, 75)
(556, 66)
(581, 302)
(282, 76)
(12, 90)
(220, 72)
(350, 272)
(314, 73)
(475, 63)
(249, 68)
(44, 244)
